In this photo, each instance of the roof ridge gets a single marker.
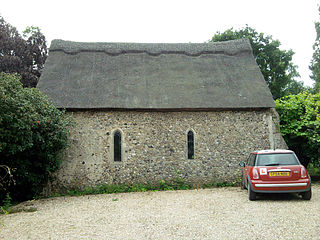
(152, 53)
(230, 48)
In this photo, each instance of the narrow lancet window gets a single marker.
(117, 146)
(190, 140)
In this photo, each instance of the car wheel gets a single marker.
(252, 194)
(307, 195)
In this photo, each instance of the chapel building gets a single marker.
(158, 111)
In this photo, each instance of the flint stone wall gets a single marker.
(154, 146)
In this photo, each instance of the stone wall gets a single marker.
(154, 146)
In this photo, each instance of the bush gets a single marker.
(300, 125)
(32, 133)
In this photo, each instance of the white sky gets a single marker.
(290, 21)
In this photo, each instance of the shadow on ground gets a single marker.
(279, 197)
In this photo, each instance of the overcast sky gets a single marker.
(290, 21)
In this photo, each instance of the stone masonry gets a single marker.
(154, 146)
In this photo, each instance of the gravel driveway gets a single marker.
(221, 213)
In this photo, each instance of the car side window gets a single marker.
(248, 160)
(253, 160)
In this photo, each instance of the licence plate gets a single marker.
(276, 174)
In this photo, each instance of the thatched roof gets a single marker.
(154, 76)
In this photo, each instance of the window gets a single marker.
(190, 140)
(117, 146)
(277, 159)
(252, 160)
(248, 160)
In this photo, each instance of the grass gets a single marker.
(177, 184)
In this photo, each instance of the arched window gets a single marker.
(190, 140)
(117, 146)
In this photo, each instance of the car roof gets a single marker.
(272, 151)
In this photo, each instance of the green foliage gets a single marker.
(315, 62)
(6, 204)
(7, 201)
(175, 184)
(300, 125)
(275, 64)
(313, 170)
(24, 55)
(6, 178)
(32, 133)
(164, 185)
(111, 188)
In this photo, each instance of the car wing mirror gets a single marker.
(242, 164)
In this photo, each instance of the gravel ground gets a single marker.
(221, 213)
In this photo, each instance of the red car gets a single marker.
(275, 171)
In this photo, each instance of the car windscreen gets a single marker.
(276, 159)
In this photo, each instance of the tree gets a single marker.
(32, 134)
(24, 55)
(275, 64)
(315, 62)
(300, 125)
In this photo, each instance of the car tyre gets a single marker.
(307, 195)
(252, 194)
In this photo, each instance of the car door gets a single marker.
(246, 169)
